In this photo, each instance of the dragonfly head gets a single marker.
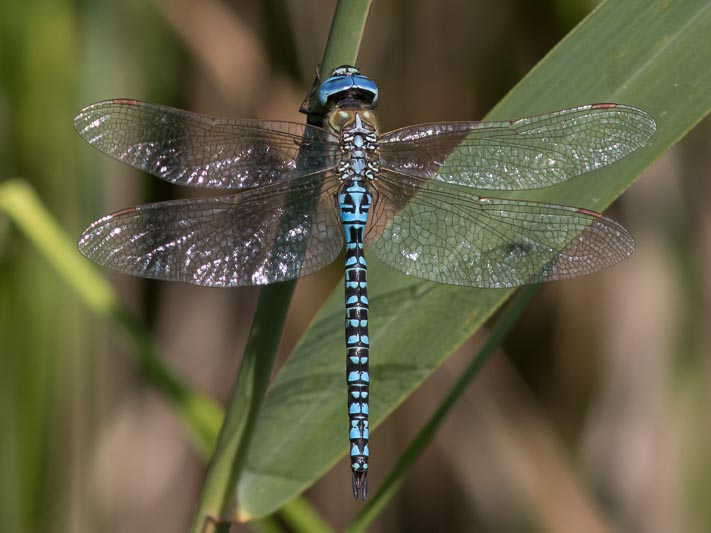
(348, 86)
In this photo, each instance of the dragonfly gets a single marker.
(295, 195)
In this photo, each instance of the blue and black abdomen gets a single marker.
(354, 203)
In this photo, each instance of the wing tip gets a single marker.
(646, 120)
(89, 111)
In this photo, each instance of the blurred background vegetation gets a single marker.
(593, 418)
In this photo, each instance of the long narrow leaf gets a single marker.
(648, 54)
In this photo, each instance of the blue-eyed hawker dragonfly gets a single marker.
(297, 194)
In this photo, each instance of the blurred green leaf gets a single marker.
(647, 54)
(19, 202)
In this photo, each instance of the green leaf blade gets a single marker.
(646, 54)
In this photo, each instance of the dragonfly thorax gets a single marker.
(358, 143)
(355, 119)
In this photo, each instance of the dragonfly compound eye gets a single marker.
(347, 83)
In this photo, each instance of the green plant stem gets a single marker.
(418, 445)
(345, 36)
(218, 495)
(218, 499)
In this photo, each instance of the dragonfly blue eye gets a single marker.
(347, 80)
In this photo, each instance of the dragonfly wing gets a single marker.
(200, 151)
(528, 153)
(447, 234)
(259, 236)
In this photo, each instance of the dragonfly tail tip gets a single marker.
(360, 485)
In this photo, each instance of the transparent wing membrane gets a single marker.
(200, 151)
(424, 221)
(260, 236)
(450, 235)
(528, 153)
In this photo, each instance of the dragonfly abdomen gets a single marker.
(354, 204)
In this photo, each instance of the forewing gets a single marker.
(255, 237)
(447, 234)
(528, 153)
(200, 151)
